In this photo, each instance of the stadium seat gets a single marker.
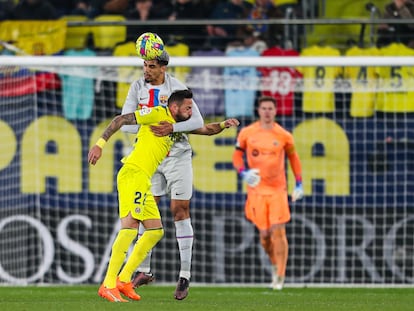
(106, 37)
(338, 35)
(76, 36)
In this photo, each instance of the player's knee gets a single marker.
(279, 235)
(156, 234)
(181, 215)
(278, 231)
(180, 209)
(265, 235)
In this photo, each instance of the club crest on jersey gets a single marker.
(163, 99)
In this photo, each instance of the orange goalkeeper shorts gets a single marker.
(267, 210)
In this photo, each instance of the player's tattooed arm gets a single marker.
(117, 122)
(95, 152)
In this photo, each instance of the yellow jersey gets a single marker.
(396, 82)
(150, 150)
(319, 81)
(363, 80)
(180, 50)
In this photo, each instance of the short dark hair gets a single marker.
(163, 59)
(266, 99)
(179, 96)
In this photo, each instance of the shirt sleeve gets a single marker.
(195, 122)
(130, 106)
(237, 159)
(293, 157)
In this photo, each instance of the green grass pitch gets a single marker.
(158, 298)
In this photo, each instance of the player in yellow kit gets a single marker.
(136, 202)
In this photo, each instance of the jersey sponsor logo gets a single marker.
(144, 110)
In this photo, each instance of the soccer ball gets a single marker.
(149, 46)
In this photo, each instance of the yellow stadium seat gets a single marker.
(106, 37)
(337, 35)
(76, 36)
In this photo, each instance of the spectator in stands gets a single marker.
(192, 35)
(388, 33)
(142, 10)
(6, 9)
(82, 7)
(163, 8)
(100, 7)
(265, 9)
(221, 35)
(34, 10)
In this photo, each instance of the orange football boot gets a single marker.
(127, 289)
(110, 294)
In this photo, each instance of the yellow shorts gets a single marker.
(134, 194)
(267, 210)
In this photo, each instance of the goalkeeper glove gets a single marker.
(251, 177)
(297, 192)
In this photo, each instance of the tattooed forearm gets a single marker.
(117, 122)
(208, 129)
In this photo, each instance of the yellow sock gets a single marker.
(119, 250)
(144, 244)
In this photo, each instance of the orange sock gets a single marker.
(280, 250)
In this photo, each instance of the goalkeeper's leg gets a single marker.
(266, 242)
(280, 248)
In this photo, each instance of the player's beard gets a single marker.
(179, 117)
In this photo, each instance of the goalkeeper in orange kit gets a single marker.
(265, 144)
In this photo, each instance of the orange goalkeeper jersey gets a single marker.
(265, 150)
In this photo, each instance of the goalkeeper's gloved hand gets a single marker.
(297, 192)
(251, 177)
